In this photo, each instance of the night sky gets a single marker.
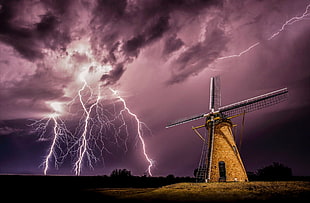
(59, 57)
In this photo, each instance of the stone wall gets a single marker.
(225, 156)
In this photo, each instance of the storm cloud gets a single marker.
(117, 30)
(198, 56)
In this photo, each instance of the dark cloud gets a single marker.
(58, 7)
(18, 37)
(198, 57)
(172, 44)
(114, 75)
(111, 10)
(132, 46)
(157, 28)
(154, 31)
(193, 7)
(125, 29)
(48, 23)
(49, 34)
(29, 38)
(119, 29)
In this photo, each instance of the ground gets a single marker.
(214, 192)
(146, 189)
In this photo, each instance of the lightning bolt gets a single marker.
(84, 149)
(96, 125)
(139, 129)
(291, 21)
(50, 153)
(60, 134)
(84, 143)
(96, 119)
(56, 130)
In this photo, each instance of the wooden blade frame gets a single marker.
(215, 93)
(255, 103)
(185, 120)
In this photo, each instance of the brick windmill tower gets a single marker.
(220, 159)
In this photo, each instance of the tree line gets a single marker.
(274, 172)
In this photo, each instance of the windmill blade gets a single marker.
(185, 120)
(255, 103)
(211, 106)
(215, 93)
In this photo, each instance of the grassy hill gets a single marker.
(146, 189)
(214, 192)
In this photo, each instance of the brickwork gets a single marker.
(226, 163)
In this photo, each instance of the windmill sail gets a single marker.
(255, 103)
(215, 93)
(185, 120)
(201, 174)
(244, 106)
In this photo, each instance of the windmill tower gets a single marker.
(220, 159)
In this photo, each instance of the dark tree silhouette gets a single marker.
(121, 173)
(275, 171)
(170, 176)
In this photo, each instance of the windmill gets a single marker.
(220, 159)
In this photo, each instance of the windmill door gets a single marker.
(222, 170)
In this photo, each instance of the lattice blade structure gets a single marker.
(215, 93)
(201, 174)
(185, 120)
(255, 103)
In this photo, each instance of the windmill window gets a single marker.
(222, 171)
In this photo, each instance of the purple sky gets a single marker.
(160, 56)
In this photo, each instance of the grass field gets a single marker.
(92, 189)
(297, 191)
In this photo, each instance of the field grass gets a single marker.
(298, 191)
(144, 189)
